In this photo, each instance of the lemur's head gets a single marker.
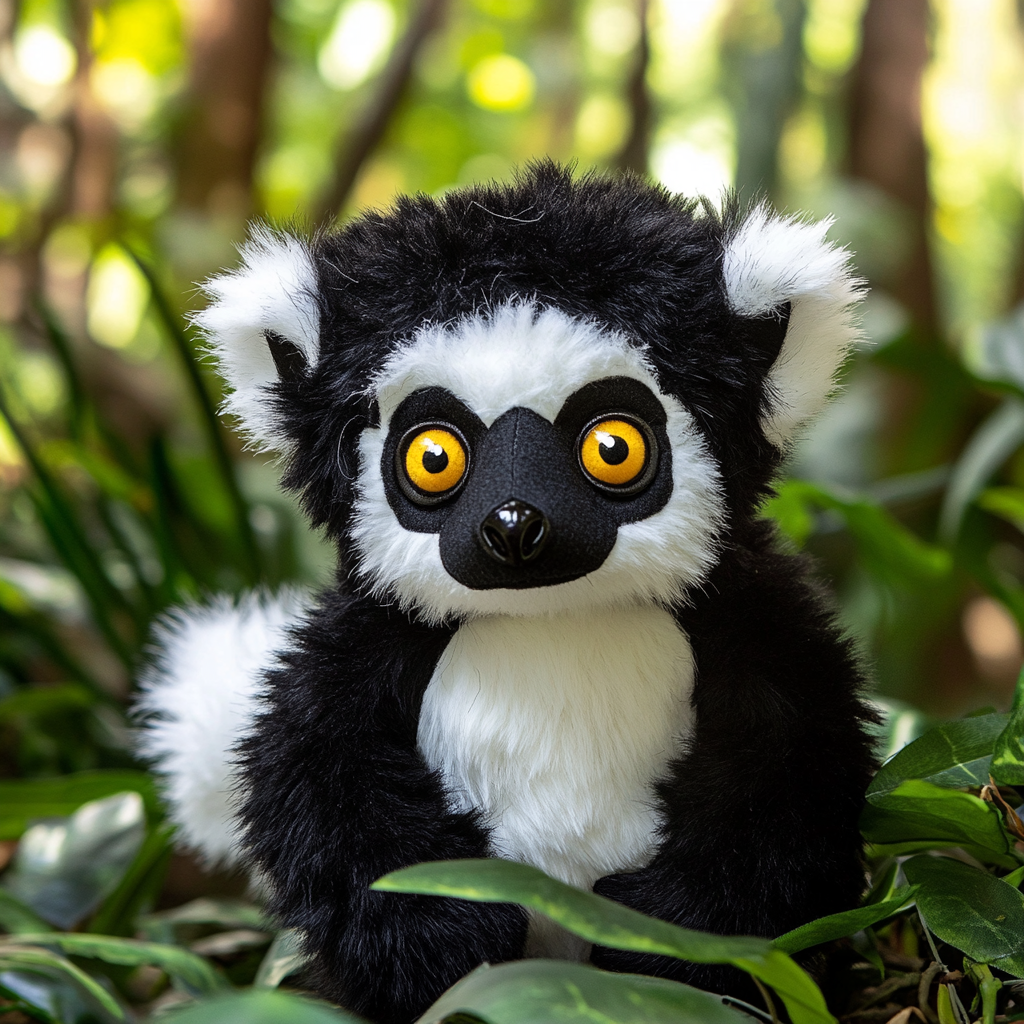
(539, 397)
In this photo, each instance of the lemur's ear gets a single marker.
(263, 325)
(770, 261)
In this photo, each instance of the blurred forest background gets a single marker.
(138, 137)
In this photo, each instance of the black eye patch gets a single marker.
(433, 405)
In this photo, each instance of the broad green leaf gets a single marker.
(972, 910)
(16, 918)
(916, 810)
(529, 991)
(1015, 878)
(64, 869)
(261, 1007)
(13, 957)
(192, 971)
(282, 960)
(603, 921)
(839, 926)
(23, 800)
(952, 755)
(1008, 752)
(887, 548)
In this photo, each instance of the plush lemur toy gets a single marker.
(538, 421)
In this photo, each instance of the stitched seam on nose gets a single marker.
(515, 450)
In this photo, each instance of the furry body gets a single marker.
(660, 705)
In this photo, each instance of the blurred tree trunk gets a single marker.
(230, 49)
(763, 56)
(887, 146)
(358, 143)
(634, 153)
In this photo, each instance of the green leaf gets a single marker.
(990, 446)
(1005, 502)
(917, 811)
(64, 869)
(529, 991)
(226, 914)
(952, 755)
(23, 800)
(1008, 752)
(1014, 878)
(15, 956)
(888, 549)
(17, 918)
(192, 971)
(282, 960)
(603, 921)
(972, 910)
(839, 926)
(261, 1007)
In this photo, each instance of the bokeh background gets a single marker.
(139, 137)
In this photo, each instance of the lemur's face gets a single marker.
(527, 462)
(582, 385)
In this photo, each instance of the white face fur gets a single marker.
(522, 356)
(519, 356)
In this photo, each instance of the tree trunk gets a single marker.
(762, 52)
(887, 145)
(634, 153)
(230, 49)
(358, 143)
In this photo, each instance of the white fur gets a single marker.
(771, 260)
(274, 289)
(200, 698)
(519, 356)
(556, 729)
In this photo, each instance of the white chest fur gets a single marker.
(556, 727)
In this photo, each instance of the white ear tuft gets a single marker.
(274, 289)
(771, 260)
(199, 700)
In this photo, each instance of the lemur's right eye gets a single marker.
(432, 463)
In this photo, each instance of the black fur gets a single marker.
(760, 815)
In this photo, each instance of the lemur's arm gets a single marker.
(760, 816)
(336, 795)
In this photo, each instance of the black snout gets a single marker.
(514, 533)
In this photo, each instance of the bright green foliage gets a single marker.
(838, 926)
(603, 921)
(545, 990)
(971, 910)
(262, 1008)
(951, 755)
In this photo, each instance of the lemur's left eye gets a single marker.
(432, 462)
(618, 455)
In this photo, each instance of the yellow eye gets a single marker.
(435, 461)
(614, 452)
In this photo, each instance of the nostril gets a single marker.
(496, 545)
(533, 539)
(514, 533)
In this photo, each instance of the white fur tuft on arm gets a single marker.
(197, 703)
(771, 260)
(273, 289)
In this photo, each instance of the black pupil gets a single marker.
(615, 453)
(435, 462)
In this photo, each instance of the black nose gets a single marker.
(514, 533)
